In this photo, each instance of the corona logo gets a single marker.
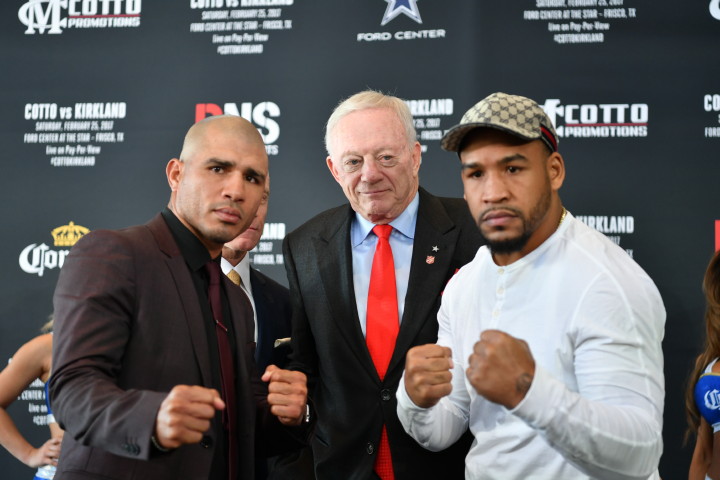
(712, 400)
(35, 259)
(68, 235)
(715, 9)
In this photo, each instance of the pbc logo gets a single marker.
(42, 15)
(35, 259)
(263, 115)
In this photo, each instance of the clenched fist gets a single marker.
(185, 415)
(501, 368)
(427, 374)
(287, 394)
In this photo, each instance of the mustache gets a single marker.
(486, 212)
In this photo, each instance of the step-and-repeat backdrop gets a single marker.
(96, 96)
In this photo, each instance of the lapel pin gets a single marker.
(435, 248)
(430, 259)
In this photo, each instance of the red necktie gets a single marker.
(382, 326)
(227, 370)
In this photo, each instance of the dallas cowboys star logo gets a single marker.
(396, 7)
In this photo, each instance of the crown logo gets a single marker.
(68, 235)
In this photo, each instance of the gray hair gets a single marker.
(372, 99)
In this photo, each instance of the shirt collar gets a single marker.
(243, 269)
(193, 251)
(404, 223)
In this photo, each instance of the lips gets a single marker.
(373, 192)
(229, 215)
(498, 218)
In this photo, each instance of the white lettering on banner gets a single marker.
(373, 37)
(35, 259)
(261, 115)
(266, 3)
(715, 9)
(433, 106)
(710, 102)
(40, 111)
(273, 231)
(207, 3)
(427, 113)
(609, 224)
(68, 142)
(235, 37)
(579, 21)
(603, 120)
(101, 110)
(404, 35)
(47, 15)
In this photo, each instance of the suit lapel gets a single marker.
(186, 293)
(332, 250)
(429, 271)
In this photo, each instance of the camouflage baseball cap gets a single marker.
(516, 115)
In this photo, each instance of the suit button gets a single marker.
(385, 395)
(131, 448)
(206, 441)
(370, 448)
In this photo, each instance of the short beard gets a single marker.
(530, 225)
(509, 245)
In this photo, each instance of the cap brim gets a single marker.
(453, 138)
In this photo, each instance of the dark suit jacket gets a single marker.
(128, 328)
(272, 306)
(328, 345)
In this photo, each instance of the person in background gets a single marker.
(550, 342)
(702, 401)
(365, 285)
(270, 302)
(32, 361)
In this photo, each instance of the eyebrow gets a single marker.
(227, 163)
(517, 157)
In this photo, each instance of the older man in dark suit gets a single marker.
(365, 284)
(153, 375)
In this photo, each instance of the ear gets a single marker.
(173, 171)
(416, 153)
(556, 170)
(333, 169)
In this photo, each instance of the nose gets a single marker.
(494, 188)
(234, 187)
(370, 171)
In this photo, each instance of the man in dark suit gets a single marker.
(270, 300)
(147, 333)
(375, 157)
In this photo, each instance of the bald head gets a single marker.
(204, 132)
(218, 182)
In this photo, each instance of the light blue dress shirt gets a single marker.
(363, 241)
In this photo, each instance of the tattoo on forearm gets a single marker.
(523, 383)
